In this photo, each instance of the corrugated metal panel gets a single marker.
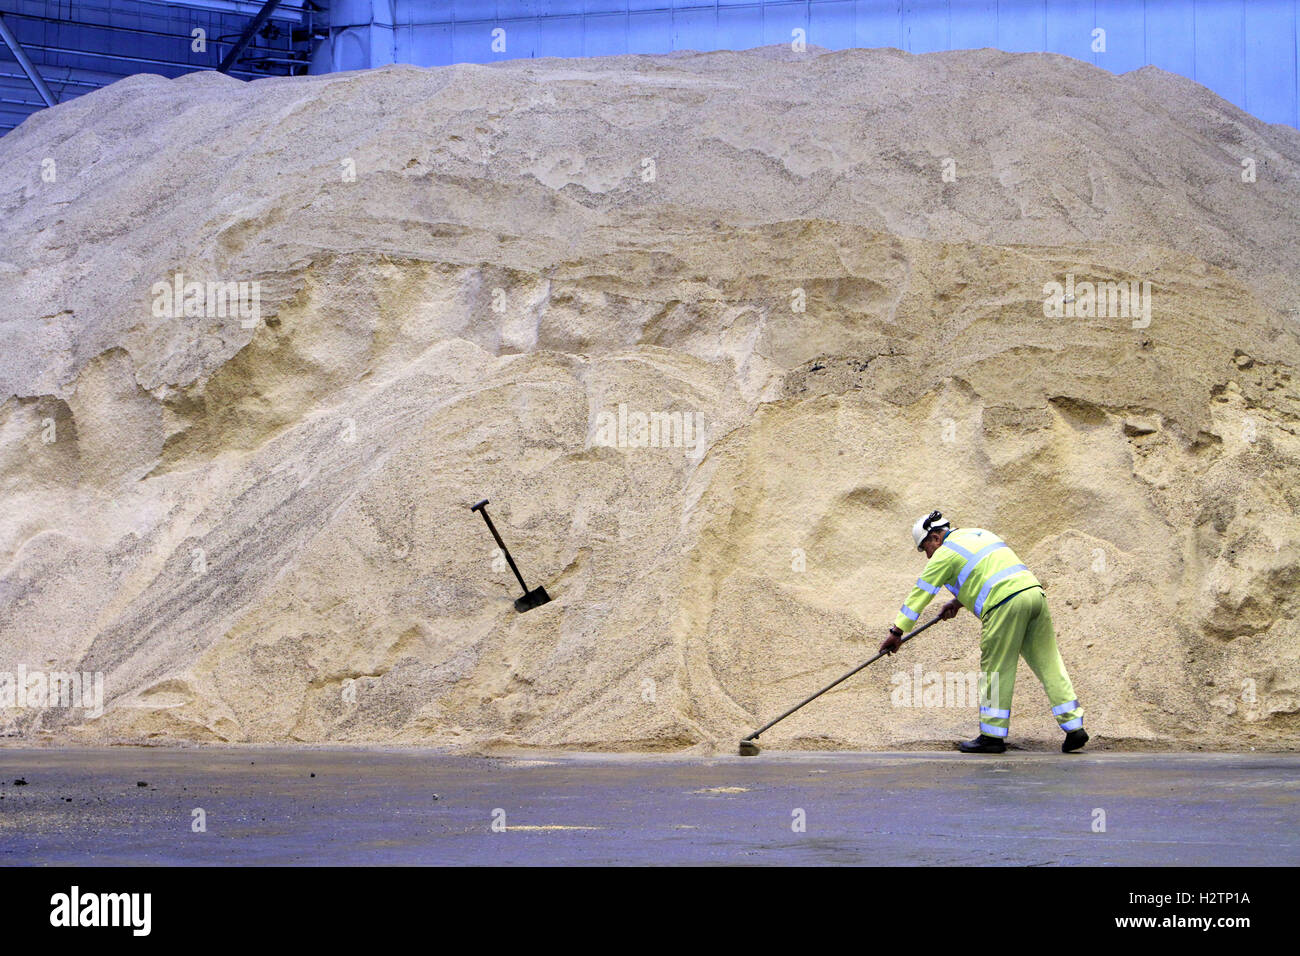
(1244, 50)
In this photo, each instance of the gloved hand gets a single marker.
(893, 642)
(950, 609)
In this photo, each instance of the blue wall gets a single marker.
(1244, 50)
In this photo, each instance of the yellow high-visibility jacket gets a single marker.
(974, 565)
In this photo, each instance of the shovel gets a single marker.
(531, 599)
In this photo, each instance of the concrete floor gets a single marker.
(378, 807)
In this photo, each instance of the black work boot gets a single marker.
(983, 744)
(1074, 739)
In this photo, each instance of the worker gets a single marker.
(984, 575)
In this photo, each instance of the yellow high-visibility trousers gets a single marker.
(1021, 626)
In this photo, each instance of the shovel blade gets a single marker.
(534, 598)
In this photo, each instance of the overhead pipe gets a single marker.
(188, 67)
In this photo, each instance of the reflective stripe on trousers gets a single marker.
(1069, 715)
(1022, 627)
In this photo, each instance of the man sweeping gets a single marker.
(984, 575)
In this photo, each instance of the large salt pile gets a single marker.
(482, 281)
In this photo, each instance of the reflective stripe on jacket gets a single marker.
(973, 564)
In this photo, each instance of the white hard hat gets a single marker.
(925, 524)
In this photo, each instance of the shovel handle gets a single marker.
(482, 509)
(808, 700)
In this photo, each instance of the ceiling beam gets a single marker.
(25, 62)
(249, 32)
